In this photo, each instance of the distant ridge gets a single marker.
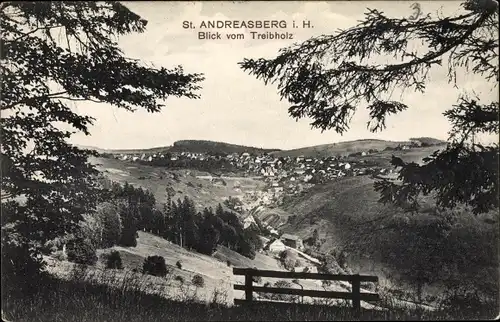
(194, 146)
(323, 150)
(348, 147)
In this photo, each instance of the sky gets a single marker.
(236, 107)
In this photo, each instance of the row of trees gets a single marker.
(129, 209)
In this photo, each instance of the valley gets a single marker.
(344, 211)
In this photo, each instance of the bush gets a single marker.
(257, 279)
(81, 251)
(283, 297)
(198, 280)
(114, 260)
(154, 265)
(178, 264)
(180, 279)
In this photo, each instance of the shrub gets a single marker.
(114, 260)
(198, 280)
(180, 279)
(287, 260)
(284, 297)
(81, 251)
(155, 265)
(257, 279)
(178, 264)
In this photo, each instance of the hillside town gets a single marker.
(283, 175)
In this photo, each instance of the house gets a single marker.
(306, 269)
(307, 178)
(273, 231)
(278, 189)
(275, 246)
(292, 241)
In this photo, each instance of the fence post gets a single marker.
(248, 286)
(356, 294)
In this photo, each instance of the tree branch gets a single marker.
(427, 59)
(31, 99)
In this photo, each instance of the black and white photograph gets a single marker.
(249, 160)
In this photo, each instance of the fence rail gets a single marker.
(356, 296)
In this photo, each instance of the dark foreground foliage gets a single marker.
(77, 300)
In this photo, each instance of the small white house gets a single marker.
(306, 269)
(276, 246)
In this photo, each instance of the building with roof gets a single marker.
(292, 241)
(275, 246)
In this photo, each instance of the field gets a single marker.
(218, 276)
(383, 158)
(346, 212)
(385, 241)
(191, 183)
(78, 300)
(340, 148)
(94, 294)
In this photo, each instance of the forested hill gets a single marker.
(193, 146)
(201, 146)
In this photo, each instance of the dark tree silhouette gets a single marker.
(54, 54)
(327, 78)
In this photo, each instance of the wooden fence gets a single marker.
(356, 296)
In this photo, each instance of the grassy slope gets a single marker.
(347, 214)
(383, 158)
(156, 180)
(341, 148)
(214, 269)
